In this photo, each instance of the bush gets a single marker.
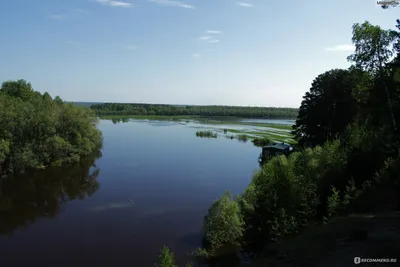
(263, 141)
(166, 258)
(223, 225)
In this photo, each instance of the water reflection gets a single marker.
(118, 120)
(25, 198)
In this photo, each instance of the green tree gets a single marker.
(374, 49)
(223, 224)
(166, 258)
(38, 132)
(328, 107)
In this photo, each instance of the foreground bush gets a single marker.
(38, 131)
(166, 259)
(223, 225)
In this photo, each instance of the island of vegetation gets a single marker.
(38, 131)
(296, 210)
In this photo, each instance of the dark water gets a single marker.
(151, 187)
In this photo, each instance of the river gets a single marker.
(151, 187)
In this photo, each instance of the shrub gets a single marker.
(262, 141)
(223, 225)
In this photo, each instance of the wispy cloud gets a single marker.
(340, 48)
(244, 4)
(131, 47)
(196, 55)
(213, 41)
(213, 32)
(114, 3)
(74, 43)
(57, 16)
(172, 3)
(204, 38)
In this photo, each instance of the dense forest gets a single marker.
(348, 160)
(170, 110)
(38, 131)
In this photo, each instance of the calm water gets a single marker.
(151, 187)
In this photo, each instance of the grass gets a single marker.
(206, 134)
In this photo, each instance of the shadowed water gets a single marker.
(151, 187)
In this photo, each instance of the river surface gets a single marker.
(151, 187)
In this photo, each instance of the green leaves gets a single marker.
(223, 225)
(37, 132)
(373, 46)
(166, 258)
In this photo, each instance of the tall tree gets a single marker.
(374, 50)
(328, 107)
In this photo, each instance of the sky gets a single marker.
(201, 52)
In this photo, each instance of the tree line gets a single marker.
(38, 131)
(347, 162)
(170, 110)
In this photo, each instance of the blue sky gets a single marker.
(254, 52)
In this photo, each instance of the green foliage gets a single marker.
(166, 258)
(373, 46)
(333, 202)
(260, 142)
(38, 132)
(348, 160)
(329, 106)
(169, 110)
(206, 134)
(223, 224)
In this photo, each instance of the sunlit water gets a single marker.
(151, 187)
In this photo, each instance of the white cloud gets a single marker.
(131, 47)
(114, 3)
(213, 41)
(204, 38)
(196, 55)
(58, 16)
(172, 3)
(213, 32)
(243, 4)
(340, 48)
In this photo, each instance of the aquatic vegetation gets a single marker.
(242, 137)
(206, 134)
(263, 141)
